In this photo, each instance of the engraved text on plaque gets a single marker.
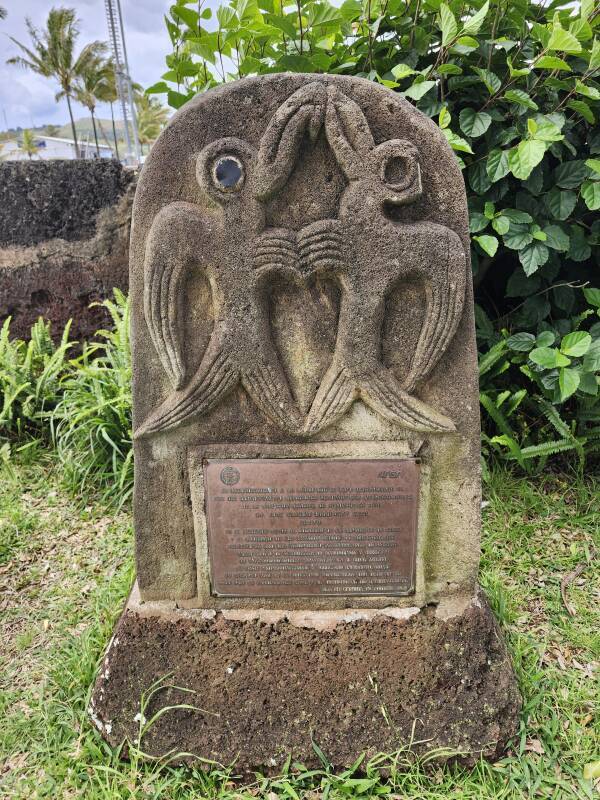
(311, 526)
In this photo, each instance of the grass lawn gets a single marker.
(65, 569)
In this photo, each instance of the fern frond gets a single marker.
(515, 401)
(492, 409)
(548, 448)
(593, 448)
(512, 445)
(592, 433)
(554, 418)
(589, 415)
(493, 355)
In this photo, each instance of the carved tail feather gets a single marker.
(379, 389)
(269, 390)
(222, 368)
(216, 376)
(383, 393)
(336, 394)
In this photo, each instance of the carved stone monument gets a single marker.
(307, 491)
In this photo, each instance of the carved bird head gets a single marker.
(240, 178)
(225, 171)
(377, 175)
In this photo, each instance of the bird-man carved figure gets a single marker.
(362, 249)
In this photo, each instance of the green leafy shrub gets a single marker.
(81, 406)
(514, 87)
(30, 374)
(560, 377)
(91, 423)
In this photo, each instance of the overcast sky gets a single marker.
(28, 99)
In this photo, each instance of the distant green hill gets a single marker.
(84, 130)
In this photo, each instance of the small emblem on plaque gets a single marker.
(230, 476)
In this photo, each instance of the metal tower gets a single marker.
(116, 32)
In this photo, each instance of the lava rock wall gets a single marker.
(64, 242)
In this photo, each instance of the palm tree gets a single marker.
(85, 88)
(28, 144)
(52, 55)
(151, 118)
(106, 92)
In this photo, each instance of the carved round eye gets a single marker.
(397, 171)
(228, 173)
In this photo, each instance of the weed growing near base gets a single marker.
(65, 571)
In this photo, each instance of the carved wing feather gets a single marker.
(445, 292)
(169, 250)
(348, 133)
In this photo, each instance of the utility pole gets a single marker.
(116, 33)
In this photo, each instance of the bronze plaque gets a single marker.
(293, 527)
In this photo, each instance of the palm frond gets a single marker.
(33, 60)
(51, 52)
(90, 60)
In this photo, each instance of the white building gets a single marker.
(53, 147)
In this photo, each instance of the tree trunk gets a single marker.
(74, 131)
(112, 116)
(95, 133)
(103, 133)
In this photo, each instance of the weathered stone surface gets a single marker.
(301, 290)
(267, 682)
(299, 268)
(84, 211)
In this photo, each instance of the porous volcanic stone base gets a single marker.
(267, 682)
